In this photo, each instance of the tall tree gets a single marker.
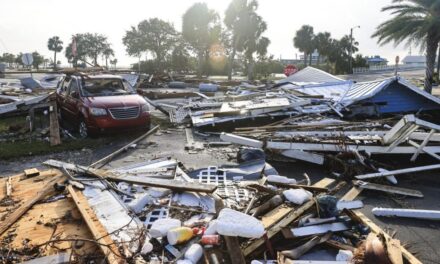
(9, 58)
(323, 43)
(38, 60)
(237, 19)
(56, 45)
(416, 22)
(153, 35)
(88, 45)
(303, 41)
(107, 53)
(198, 24)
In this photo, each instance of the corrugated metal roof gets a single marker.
(347, 92)
(311, 75)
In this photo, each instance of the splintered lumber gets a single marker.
(108, 158)
(388, 189)
(281, 217)
(179, 186)
(47, 190)
(55, 138)
(106, 243)
(359, 216)
(351, 194)
(304, 248)
(397, 172)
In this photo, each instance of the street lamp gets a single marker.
(351, 47)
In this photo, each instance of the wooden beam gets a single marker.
(23, 208)
(279, 221)
(410, 258)
(234, 250)
(109, 157)
(351, 194)
(107, 245)
(9, 187)
(174, 185)
(397, 172)
(54, 126)
(388, 189)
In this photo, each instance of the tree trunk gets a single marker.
(310, 58)
(199, 72)
(431, 50)
(231, 63)
(317, 61)
(106, 64)
(305, 59)
(250, 69)
(55, 60)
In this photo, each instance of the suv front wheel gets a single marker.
(82, 129)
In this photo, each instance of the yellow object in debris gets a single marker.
(179, 235)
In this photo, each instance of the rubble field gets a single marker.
(311, 169)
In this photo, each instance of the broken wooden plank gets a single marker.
(106, 243)
(388, 189)
(351, 194)
(54, 126)
(394, 250)
(31, 172)
(420, 148)
(360, 217)
(277, 222)
(175, 185)
(300, 186)
(397, 172)
(109, 157)
(304, 156)
(297, 252)
(23, 208)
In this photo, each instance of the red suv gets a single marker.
(99, 103)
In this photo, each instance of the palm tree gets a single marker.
(323, 44)
(56, 45)
(416, 22)
(198, 24)
(108, 52)
(303, 41)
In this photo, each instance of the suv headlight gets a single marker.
(98, 111)
(145, 108)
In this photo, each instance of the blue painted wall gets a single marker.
(396, 98)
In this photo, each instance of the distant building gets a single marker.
(414, 60)
(376, 60)
(289, 61)
(315, 56)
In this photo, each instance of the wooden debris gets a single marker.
(304, 248)
(388, 189)
(9, 187)
(107, 245)
(31, 172)
(55, 138)
(47, 190)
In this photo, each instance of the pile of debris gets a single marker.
(158, 212)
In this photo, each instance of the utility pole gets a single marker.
(351, 48)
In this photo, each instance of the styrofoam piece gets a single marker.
(280, 179)
(318, 229)
(234, 223)
(297, 196)
(160, 227)
(410, 213)
(344, 255)
(356, 204)
(194, 253)
(184, 261)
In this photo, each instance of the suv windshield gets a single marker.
(105, 87)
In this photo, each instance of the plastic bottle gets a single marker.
(194, 253)
(179, 235)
